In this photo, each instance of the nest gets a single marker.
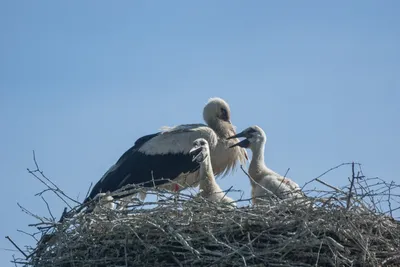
(335, 227)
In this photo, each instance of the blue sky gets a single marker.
(80, 81)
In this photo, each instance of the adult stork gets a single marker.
(158, 158)
(209, 189)
(264, 182)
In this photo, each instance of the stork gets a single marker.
(209, 189)
(264, 181)
(162, 159)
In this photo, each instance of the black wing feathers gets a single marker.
(135, 167)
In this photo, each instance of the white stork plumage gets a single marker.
(264, 182)
(105, 202)
(165, 154)
(209, 189)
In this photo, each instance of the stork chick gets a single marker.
(209, 189)
(264, 181)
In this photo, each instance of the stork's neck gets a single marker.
(257, 165)
(207, 180)
(222, 128)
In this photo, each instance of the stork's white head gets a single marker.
(216, 110)
(255, 137)
(200, 150)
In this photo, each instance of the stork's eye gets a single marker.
(251, 130)
(224, 114)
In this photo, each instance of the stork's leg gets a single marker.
(176, 189)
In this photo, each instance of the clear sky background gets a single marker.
(80, 81)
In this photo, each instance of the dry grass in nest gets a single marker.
(335, 227)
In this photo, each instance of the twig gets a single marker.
(353, 177)
(14, 261)
(31, 235)
(125, 251)
(331, 169)
(176, 260)
(20, 262)
(50, 224)
(56, 189)
(229, 189)
(50, 189)
(48, 208)
(15, 245)
(284, 177)
(8, 249)
(328, 185)
(254, 181)
(319, 252)
(388, 199)
(30, 213)
(88, 191)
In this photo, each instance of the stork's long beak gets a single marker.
(244, 143)
(195, 152)
(241, 134)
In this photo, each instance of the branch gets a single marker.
(331, 169)
(30, 213)
(251, 179)
(31, 235)
(15, 245)
(48, 208)
(328, 185)
(56, 190)
(284, 177)
(353, 177)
